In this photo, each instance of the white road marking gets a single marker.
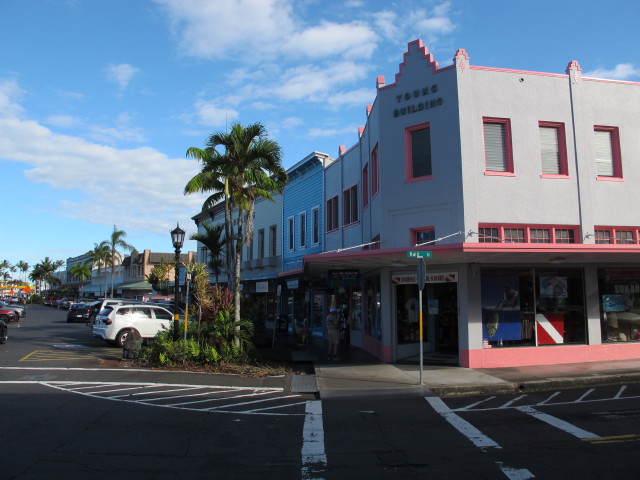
(584, 395)
(511, 402)
(478, 403)
(622, 389)
(553, 395)
(139, 390)
(478, 438)
(556, 422)
(314, 458)
(515, 474)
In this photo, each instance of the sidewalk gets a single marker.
(358, 374)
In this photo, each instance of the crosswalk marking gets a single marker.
(222, 399)
(556, 422)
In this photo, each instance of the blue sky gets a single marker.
(100, 99)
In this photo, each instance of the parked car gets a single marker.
(4, 332)
(21, 310)
(102, 303)
(7, 315)
(115, 322)
(78, 311)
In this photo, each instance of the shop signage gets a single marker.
(262, 287)
(422, 103)
(406, 278)
(344, 278)
(292, 284)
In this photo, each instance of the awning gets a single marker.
(143, 285)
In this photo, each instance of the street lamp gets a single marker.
(177, 238)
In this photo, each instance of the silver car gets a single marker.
(20, 310)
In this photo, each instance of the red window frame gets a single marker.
(350, 211)
(365, 186)
(509, 172)
(415, 231)
(375, 181)
(510, 233)
(562, 149)
(331, 215)
(616, 235)
(615, 152)
(408, 149)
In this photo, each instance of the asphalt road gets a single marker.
(71, 415)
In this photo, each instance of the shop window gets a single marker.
(350, 205)
(374, 171)
(372, 307)
(553, 149)
(608, 158)
(418, 152)
(331, 214)
(365, 186)
(619, 295)
(498, 153)
(533, 306)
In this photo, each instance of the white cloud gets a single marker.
(353, 98)
(622, 71)
(211, 114)
(10, 93)
(330, 132)
(291, 122)
(121, 74)
(135, 188)
(63, 121)
(351, 40)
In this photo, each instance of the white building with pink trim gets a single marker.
(525, 188)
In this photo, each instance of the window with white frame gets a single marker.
(315, 229)
(291, 233)
(303, 229)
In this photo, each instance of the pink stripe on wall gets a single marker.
(526, 356)
(377, 349)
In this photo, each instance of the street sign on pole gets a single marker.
(419, 254)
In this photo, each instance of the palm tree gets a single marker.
(43, 270)
(23, 267)
(214, 240)
(81, 271)
(117, 242)
(99, 258)
(249, 168)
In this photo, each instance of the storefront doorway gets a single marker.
(439, 314)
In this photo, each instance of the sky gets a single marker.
(100, 99)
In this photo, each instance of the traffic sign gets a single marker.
(419, 254)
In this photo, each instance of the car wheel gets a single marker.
(4, 332)
(4, 318)
(122, 337)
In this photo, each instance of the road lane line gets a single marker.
(547, 400)
(478, 438)
(314, 458)
(556, 422)
(511, 402)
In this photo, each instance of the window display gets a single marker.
(619, 290)
(372, 306)
(532, 306)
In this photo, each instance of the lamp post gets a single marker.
(177, 238)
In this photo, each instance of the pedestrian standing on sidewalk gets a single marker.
(333, 331)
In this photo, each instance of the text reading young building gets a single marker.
(525, 187)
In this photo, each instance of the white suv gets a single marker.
(115, 322)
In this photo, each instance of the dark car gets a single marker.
(78, 312)
(4, 332)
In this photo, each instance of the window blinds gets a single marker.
(549, 151)
(494, 147)
(604, 153)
